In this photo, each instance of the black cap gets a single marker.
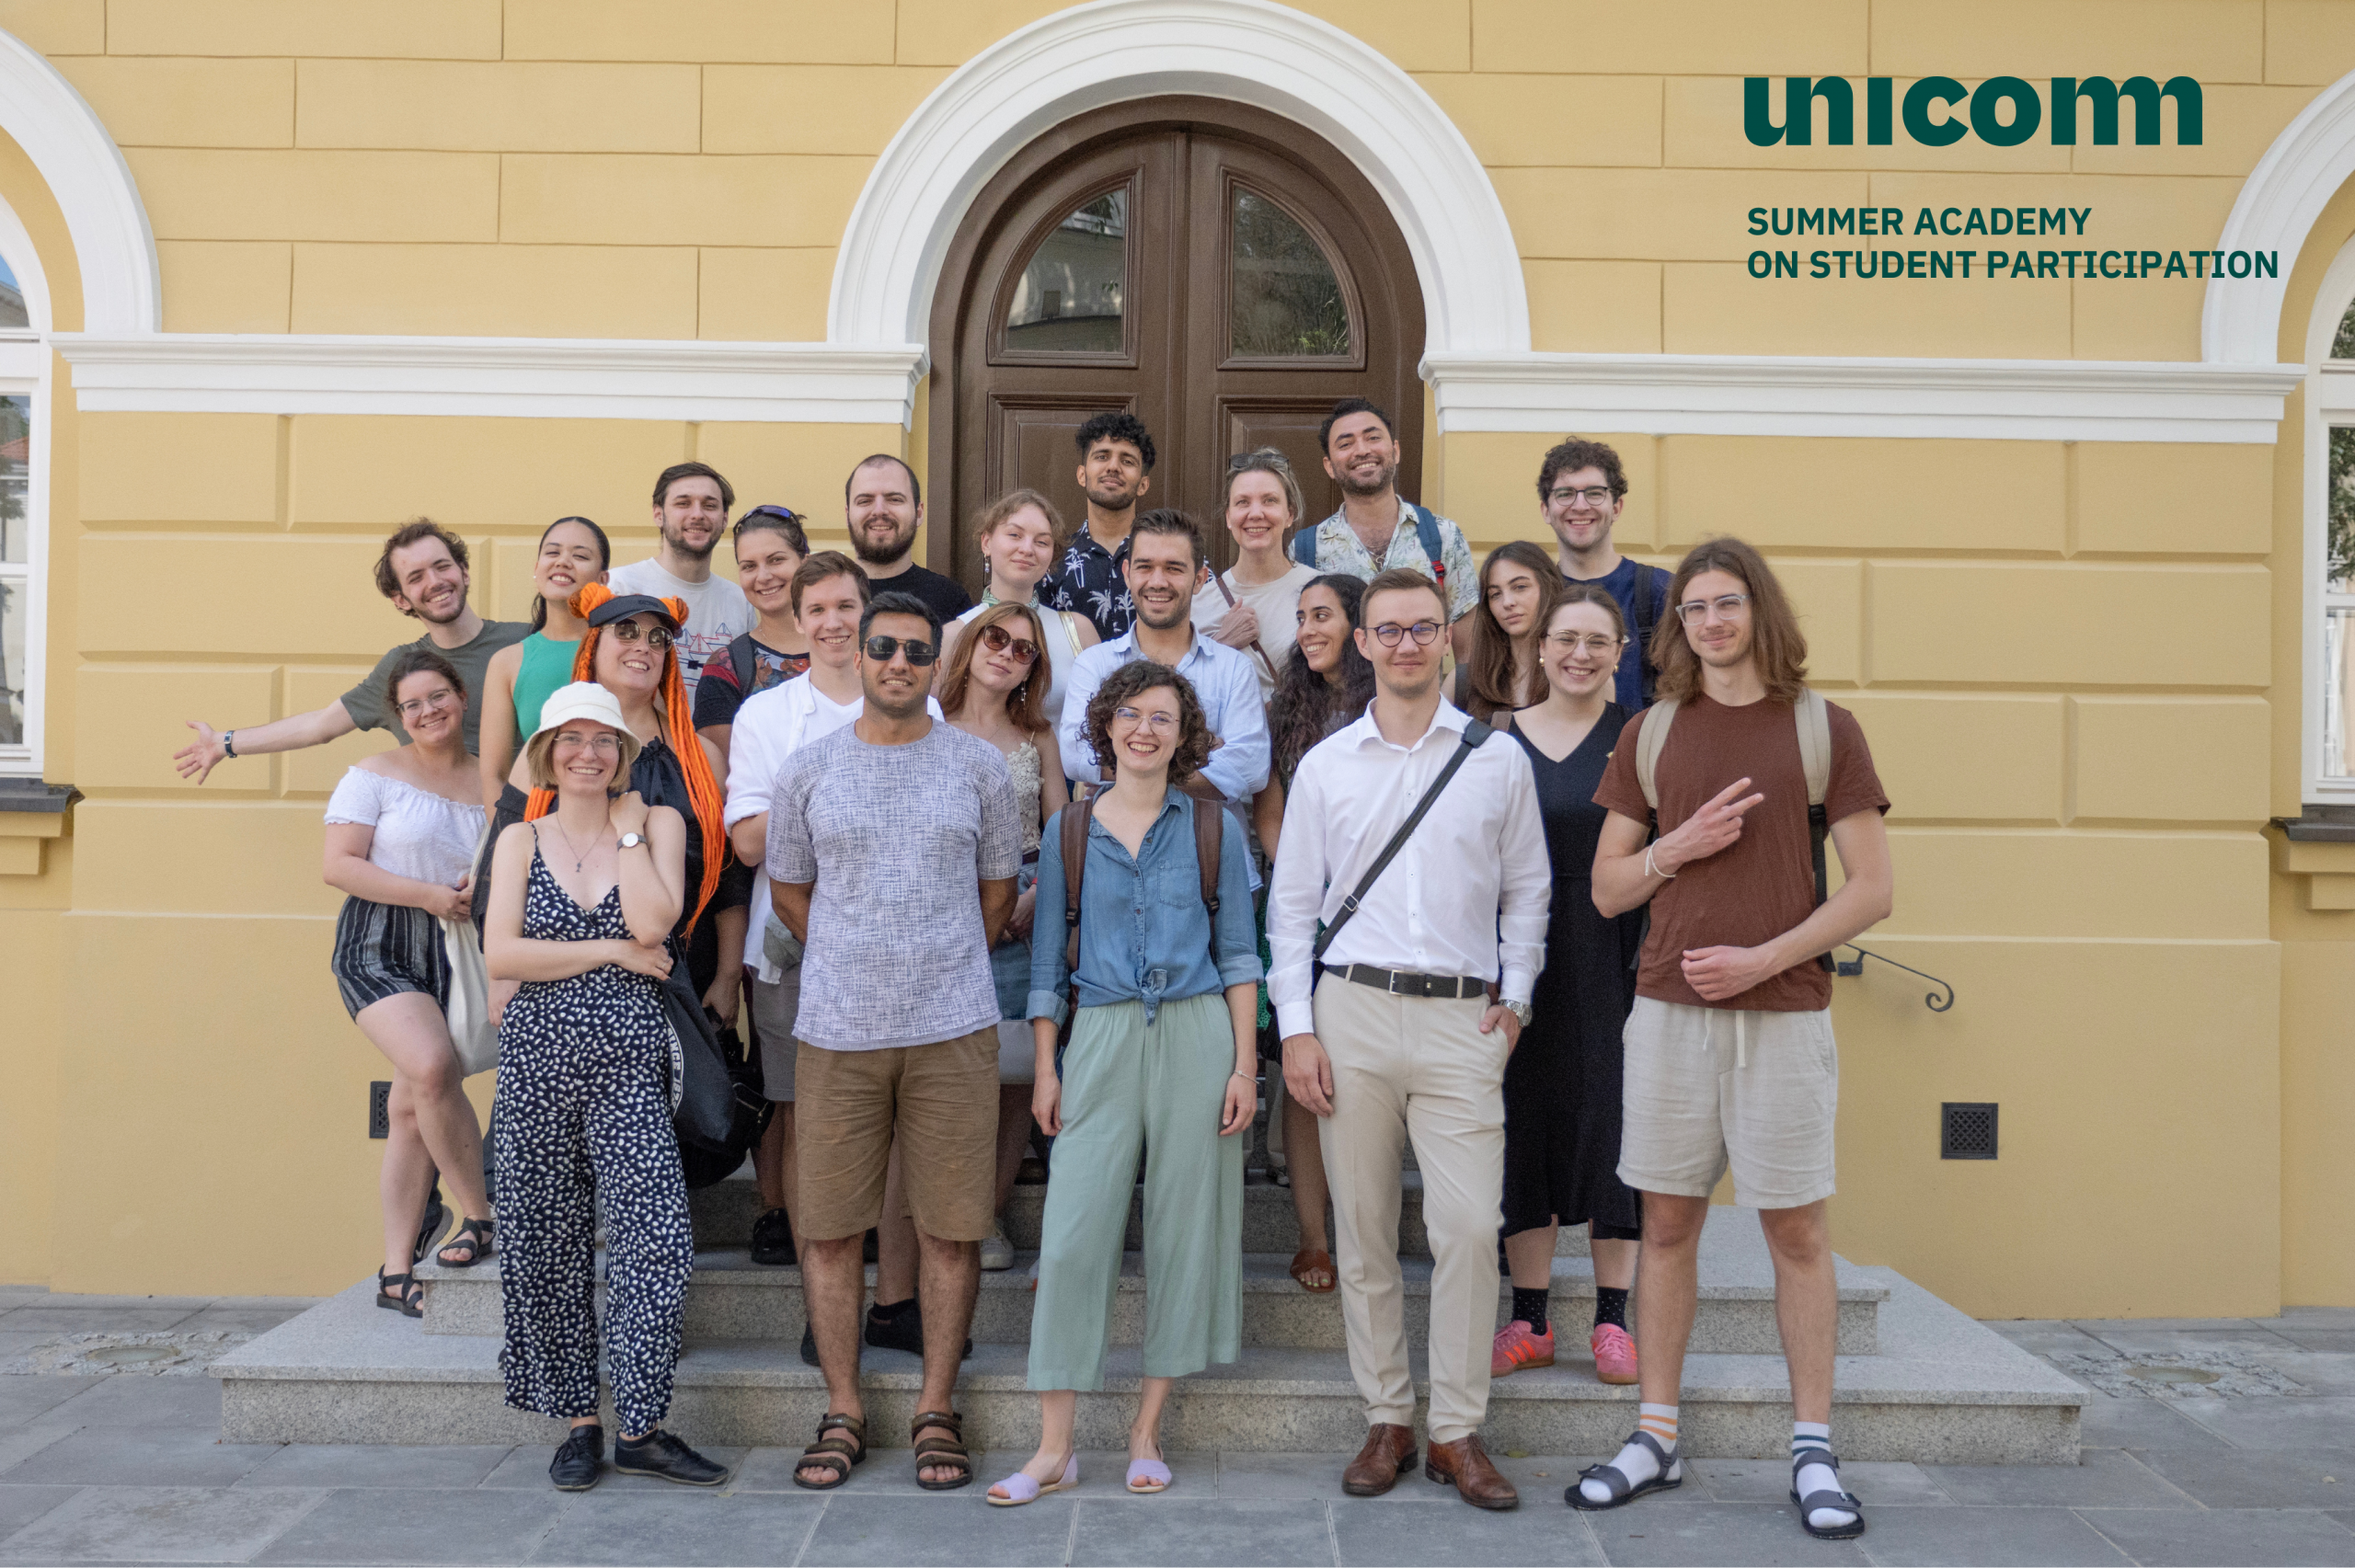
(622, 606)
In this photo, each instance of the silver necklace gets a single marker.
(580, 857)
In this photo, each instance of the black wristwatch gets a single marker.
(229, 742)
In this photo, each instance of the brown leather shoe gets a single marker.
(1466, 1463)
(1389, 1453)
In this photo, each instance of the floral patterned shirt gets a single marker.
(1340, 550)
(1087, 581)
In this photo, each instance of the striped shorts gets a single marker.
(382, 950)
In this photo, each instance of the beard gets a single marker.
(863, 545)
(1178, 609)
(896, 707)
(678, 541)
(441, 617)
(1353, 486)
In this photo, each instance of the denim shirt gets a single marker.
(1144, 933)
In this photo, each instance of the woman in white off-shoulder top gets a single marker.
(402, 830)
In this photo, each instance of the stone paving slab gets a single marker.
(1714, 1533)
(2107, 1479)
(607, 1527)
(20, 1505)
(1446, 1532)
(2212, 1539)
(140, 1456)
(419, 1526)
(129, 1399)
(2224, 1477)
(2030, 1537)
(157, 1524)
(363, 1465)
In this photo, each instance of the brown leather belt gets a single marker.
(1399, 984)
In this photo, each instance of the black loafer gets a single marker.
(773, 1238)
(578, 1464)
(659, 1454)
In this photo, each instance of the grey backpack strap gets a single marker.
(1813, 715)
(1649, 740)
(1474, 734)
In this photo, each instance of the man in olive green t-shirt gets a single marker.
(423, 572)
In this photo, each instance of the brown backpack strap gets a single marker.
(1209, 822)
(1074, 820)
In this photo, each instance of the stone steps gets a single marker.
(732, 1297)
(1941, 1388)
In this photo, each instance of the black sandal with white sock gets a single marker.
(1843, 1500)
(1623, 1491)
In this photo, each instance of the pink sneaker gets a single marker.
(1515, 1347)
(1614, 1353)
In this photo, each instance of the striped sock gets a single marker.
(1810, 1447)
(1635, 1461)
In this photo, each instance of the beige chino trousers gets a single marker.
(1415, 1067)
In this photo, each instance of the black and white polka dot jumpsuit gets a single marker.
(583, 1108)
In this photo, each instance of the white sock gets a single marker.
(1810, 1442)
(1636, 1461)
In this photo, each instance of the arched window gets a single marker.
(23, 500)
(2330, 542)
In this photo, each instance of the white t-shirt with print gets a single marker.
(718, 612)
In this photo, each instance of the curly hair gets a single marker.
(414, 531)
(1571, 454)
(1308, 707)
(1125, 685)
(1027, 703)
(1116, 426)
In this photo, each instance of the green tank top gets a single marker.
(546, 665)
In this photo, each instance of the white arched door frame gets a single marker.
(1114, 50)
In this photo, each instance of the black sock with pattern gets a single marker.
(1529, 1307)
(1610, 1306)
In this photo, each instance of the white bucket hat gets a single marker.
(586, 699)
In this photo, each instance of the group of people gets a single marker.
(1056, 858)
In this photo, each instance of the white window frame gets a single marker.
(25, 361)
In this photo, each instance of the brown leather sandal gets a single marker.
(941, 1452)
(1310, 1260)
(833, 1454)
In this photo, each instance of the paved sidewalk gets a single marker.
(127, 1468)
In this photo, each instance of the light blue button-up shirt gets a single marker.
(1224, 683)
(1144, 934)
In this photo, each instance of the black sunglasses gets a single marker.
(881, 648)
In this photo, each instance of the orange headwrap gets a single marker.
(702, 790)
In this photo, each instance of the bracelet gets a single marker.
(229, 742)
(1246, 1077)
(1651, 870)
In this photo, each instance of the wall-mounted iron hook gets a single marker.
(1857, 966)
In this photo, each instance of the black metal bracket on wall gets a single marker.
(1853, 966)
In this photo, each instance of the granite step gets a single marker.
(733, 1298)
(723, 1215)
(1942, 1389)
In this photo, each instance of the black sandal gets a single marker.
(1623, 1491)
(408, 1294)
(941, 1452)
(429, 1226)
(833, 1454)
(1841, 1500)
(474, 1237)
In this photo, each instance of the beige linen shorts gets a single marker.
(937, 1101)
(1707, 1088)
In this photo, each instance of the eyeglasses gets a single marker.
(1155, 720)
(434, 703)
(880, 649)
(1692, 612)
(606, 745)
(1425, 633)
(997, 639)
(1594, 496)
(656, 637)
(1565, 642)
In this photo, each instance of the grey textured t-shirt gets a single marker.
(898, 840)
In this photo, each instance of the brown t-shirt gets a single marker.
(1762, 884)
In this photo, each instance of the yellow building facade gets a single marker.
(297, 271)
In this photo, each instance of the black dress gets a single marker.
(1562, 1082)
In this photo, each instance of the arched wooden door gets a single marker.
(1220, 273)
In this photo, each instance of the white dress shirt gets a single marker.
(1222, 682)
(1468, 893)
(771, 727)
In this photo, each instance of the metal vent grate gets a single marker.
(1967, 1130)
(380, 1110)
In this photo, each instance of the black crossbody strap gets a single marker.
(1475, 733)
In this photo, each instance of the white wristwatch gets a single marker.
(632, 840)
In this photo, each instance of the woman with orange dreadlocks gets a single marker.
(627, 650)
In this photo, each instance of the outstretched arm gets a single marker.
(198, 760)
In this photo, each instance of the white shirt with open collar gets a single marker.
(1468, 895)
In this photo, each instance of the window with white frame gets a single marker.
(23, 361)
